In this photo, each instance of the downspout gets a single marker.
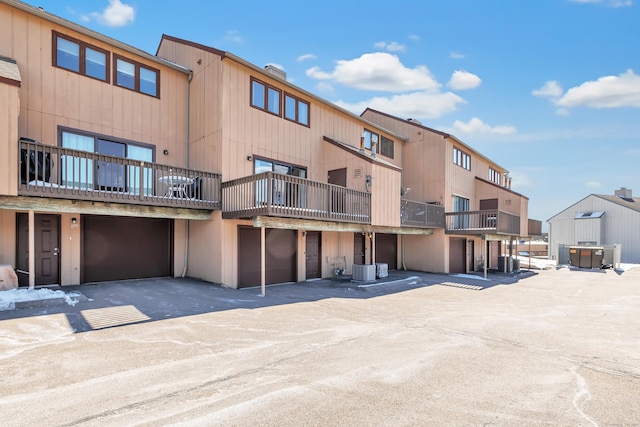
(404, 267)
(186, 137)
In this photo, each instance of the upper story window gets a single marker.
(265, 97)
(461, 158)
(80, 57)
(135, 76)
(495, 176)
(296, 109)
(386, 147)
(369, 140)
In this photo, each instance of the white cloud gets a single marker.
(610, 3)
(593, 184)
(117, 14)
(378, 71)
(414, 37)
(463, 80)
(551, 88)
(306, 57)
(233, 36)
(456, 55)
(391, 47)
(477, 126)
(325, 88)
(420, 105)
(606, 92)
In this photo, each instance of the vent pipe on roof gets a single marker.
(276, 71)
(624, 193)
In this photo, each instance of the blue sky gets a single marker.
(549, 89)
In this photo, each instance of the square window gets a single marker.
(289, 108)
(125, 74)
(148, 81)
(68, 54)
(95, 64)
(273, 97)
(257, 94)
(303, 113)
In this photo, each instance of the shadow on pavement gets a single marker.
(111, 304)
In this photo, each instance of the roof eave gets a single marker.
(41, 13)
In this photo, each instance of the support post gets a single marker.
(32, 250)
(263, 257)
(484, 254)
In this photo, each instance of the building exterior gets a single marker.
(481, 209)
(121, 164)
(599, 220)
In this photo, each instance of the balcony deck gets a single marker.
(278, 195)
(421, 215)
(63, 173)
(490, 221)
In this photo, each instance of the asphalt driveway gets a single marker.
(557, 347)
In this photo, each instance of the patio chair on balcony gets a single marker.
(194, 190)
(35, 165)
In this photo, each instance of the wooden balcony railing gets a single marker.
(490, 221)
(63, 173)
(274, 194)
(425, 215)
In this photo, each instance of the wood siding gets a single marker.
(9, 110)
(52, 97)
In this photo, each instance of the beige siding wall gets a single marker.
(52, 97)
(7, 237)
(426, 253)
(206, 103)
(9, 110)
(508, 201)
(385, 196)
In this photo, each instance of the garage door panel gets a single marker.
(280, 257)
(117, 248)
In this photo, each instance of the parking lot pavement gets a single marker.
(555, 347)
(161, 298)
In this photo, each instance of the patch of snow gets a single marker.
(627, 267)
(9, 298)
(536, 263)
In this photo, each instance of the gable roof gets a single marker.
(41, 13)
(356, 151)
(633, 205)
(443, 134)
(228, 55)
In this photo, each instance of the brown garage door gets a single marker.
(280, 259)
(117, 248)
(387, 249)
